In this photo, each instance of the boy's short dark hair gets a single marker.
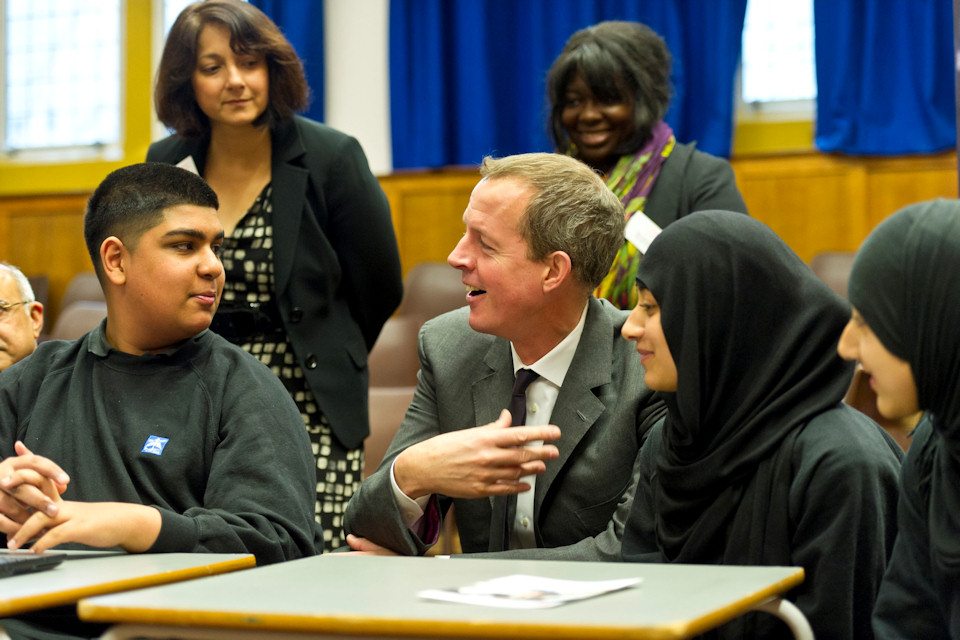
(251, 32)
(133, 199)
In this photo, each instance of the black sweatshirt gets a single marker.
(203, 432)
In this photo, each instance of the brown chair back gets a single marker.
(393, 360)
(41, 288)
(77, 319)
(833, 267)
(388, 405)
(431, 288)
(82, 287)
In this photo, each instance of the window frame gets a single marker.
(778, 126)
(78, 169)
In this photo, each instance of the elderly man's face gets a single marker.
(19, 325)
(504, 287)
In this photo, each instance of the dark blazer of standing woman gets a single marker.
(336, 216)
(311, 261)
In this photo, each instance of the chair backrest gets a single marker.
(388, 405)
(41, 288)
(77, 319)
(833, 267)
(393, 360)
(431, 288)
(83, 286)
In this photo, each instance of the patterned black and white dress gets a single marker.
(247, 257)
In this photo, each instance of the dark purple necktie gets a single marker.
(518, 412)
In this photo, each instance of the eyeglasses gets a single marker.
(5, 307)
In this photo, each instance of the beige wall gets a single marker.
(357, 88)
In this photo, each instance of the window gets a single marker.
(172, 9)
(776, 97)
(778, 62)
(61, 74)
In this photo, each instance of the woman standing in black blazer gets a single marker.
(311, 258)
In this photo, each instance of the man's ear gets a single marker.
(113, 257)
(558, 270)
(36, 318)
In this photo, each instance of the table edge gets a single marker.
(16, 605)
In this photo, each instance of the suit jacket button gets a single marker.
(296, 315)
(311, 361)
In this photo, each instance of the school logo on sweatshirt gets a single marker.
(154, 445)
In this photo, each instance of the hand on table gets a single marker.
(133, 527)
(31, 508)
(364, 547)
(478, 462)
(28, 483)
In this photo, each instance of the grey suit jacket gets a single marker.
(581, 502)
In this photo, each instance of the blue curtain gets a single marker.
(467, 76)
(301, 21)
(885, 78)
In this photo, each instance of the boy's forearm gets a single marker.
(142, 524)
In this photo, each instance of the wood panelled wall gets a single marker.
(818, 202)
(44, 235)
(815, 202)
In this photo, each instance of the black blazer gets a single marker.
(336, 263)
(691, 180)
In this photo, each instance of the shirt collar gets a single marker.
(554, 365)
(99, 346)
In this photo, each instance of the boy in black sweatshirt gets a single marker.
(174, 439)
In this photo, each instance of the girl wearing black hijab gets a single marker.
(757, 462)
(905, 331)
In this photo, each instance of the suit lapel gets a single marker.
(289, 181)
(491, 394)
(492, 389)
(195, 148)
(578, 408)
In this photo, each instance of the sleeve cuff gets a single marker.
(178, 533)
(421, 515)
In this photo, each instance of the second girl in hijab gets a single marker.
(757, 462)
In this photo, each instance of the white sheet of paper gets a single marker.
(527, 592)
(641, 231)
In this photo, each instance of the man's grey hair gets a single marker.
(23, 284)
(572, 210)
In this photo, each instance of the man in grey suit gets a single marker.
(541, 232)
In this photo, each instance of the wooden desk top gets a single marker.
(365, 595)
(77, 578)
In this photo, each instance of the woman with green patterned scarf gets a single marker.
(608, 92)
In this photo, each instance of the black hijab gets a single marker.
(753, 333)
(905, 282)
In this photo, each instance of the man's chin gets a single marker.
(481, 324)
(476, 321)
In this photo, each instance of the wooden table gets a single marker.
(99, 573)
(336, 595)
